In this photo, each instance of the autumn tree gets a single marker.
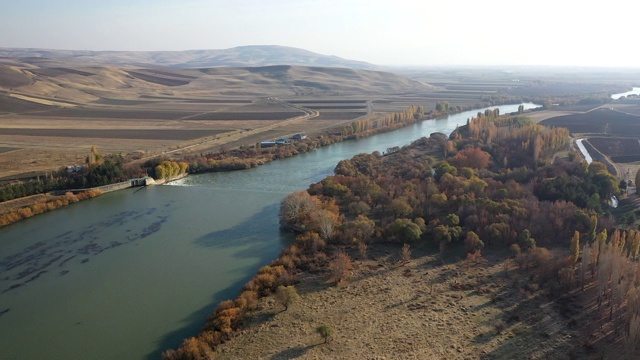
(94, 157)
(340, 266)
(295, 211)
(286, 295)
(575, 248)
(325, 221)
(472, 242)
(360, 229)
(473, 158)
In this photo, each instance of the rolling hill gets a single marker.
(91, 83)
(256, 55)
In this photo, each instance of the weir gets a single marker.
(136, 182)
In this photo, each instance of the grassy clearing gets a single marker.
(425, 309)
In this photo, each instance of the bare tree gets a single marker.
(341, 267)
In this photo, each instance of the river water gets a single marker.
(634, 91)
(131, 273)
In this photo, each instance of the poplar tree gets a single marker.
(575, 247)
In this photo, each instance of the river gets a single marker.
(131, 273)
(634, 91)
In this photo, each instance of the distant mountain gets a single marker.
(242, 56)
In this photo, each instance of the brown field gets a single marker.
(599, 121)
(149, 134)
(337, 115)
(247, 115)
(336, 107)
(616, 146)
(311, 101)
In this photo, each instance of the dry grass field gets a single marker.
(425, 309)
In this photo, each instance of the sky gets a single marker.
(398, 32)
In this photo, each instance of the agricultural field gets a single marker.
(52, 113)
(612, 134)
(600, 121)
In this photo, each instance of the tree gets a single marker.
(526, 241)
(340, 267)
(362, 248)
(325, 222)
(295, 210)
(326, 331)
(637, 182)
(575, 247)
(406, 230)
(472, 242)
(471, 157)
(286, 295)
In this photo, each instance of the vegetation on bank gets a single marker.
(43, 206)
(98, 170)
(491, 185)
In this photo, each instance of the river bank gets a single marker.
(179, 251)
(18, 209)
(232, 160)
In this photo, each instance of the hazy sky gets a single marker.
(399, 32)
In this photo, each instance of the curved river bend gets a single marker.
(131, 273)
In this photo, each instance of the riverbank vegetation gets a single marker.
(98, 170)
(39, 206)
(492, 187)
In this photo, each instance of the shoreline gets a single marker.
(318, 140)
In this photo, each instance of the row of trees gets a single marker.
(43, 206)
(604, 274)
(99, 170)
(170, 169)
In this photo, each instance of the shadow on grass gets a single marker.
(292, 353)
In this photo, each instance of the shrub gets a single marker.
(326, 331)
(286, 295)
